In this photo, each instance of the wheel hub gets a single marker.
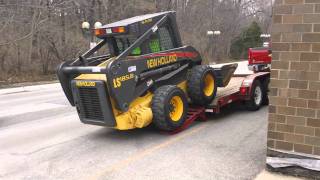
(208, 85)
(176, 108)
(257, 95)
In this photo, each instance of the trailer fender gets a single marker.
(246, 86)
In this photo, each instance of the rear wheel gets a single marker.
(256, 97)
(169, 107)
(202, 87)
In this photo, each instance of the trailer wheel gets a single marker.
(201, 85)
(256, 97)
(169, 107)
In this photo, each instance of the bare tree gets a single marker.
(37, 35)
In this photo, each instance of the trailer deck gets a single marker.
(238, 89)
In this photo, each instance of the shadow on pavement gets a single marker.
(151, 131)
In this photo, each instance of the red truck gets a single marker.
(259, 59)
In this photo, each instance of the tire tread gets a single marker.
(194, 85)
(158, 108)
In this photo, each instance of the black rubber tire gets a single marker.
(251, 104)
(195, 85)
(265, 100)
(160, 107)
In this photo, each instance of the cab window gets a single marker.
(154, 44)
(165, 39)
(124, 43)
(161, 41)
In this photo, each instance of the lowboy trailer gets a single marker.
(246, 86)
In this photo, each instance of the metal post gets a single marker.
(213, 35)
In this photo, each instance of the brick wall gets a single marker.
(294, 112)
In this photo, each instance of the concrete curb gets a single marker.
(29, 88)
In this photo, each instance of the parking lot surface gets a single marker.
(41, 137)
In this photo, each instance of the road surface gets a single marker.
(41, 137)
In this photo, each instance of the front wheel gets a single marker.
(256, 97)
(169, 107)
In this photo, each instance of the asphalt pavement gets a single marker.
(41, 137)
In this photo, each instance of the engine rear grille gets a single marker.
(90, 104)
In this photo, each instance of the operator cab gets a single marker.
(122, 34)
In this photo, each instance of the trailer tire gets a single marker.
(169, 107)
(256, 97)
(201, 85)
(265, 100)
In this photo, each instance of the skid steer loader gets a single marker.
(147, 77)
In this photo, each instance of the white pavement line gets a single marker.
(27, 108)
(29, 88)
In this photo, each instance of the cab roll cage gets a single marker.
(71, 69)
(85, 60)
